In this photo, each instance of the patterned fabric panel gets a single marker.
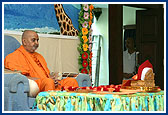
(68, 101)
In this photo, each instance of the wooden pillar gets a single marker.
(115, 43)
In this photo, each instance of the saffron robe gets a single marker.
(34, 65)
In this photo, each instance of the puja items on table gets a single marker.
(107, 88)
(141, 82)
(144, 80)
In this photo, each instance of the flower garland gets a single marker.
(107, 88)
(85, 35)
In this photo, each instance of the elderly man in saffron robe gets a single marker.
(34, 66)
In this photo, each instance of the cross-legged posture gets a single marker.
(34, 66)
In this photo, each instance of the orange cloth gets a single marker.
(34, 65)
(135, 77)
(67, 82)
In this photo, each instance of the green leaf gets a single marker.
(80, 29)
(81, 44)
(78, 48)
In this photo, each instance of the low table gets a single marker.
(72, 101)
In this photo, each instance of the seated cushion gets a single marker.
(10, 45)
(83, 80)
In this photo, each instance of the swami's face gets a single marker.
(30, 42)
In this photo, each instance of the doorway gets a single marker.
(116, 43)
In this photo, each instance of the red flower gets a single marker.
(74, 88)
(62, 88)
(85, 63)
(84, 70)
(117, 88)
(83, 87)
(91, 87)
(108, 86)
(85, 55)
(90, 63)
(105, 89)
(99, 88)
(91, 55)
(90, 71)
(70, 88)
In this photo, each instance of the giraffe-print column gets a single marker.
(65, 23)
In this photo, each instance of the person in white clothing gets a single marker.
(129, 59)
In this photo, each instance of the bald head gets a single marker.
(30, 40)
(27, 33)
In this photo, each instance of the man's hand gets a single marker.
(56, 82)
(55, 76)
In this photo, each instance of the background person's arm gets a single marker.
(127, 75)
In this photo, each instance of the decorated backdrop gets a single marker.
(38, 17)
(85, 35)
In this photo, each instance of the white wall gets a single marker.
(129, 15)
(100, 27)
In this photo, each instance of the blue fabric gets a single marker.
(16, 86)
(16, 90)
(83, 80)
(10, 45)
